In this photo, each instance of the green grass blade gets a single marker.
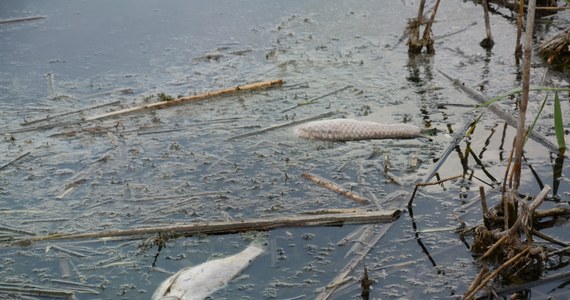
(536, 118)
(559, 124)
(519, 90)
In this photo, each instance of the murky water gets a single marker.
(162, 167)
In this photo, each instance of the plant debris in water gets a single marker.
(71, 166)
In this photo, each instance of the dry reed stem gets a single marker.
(335, 188)
(518, 46)
(14, 160)
(225, 227)
(197, 97)
(521, 127)
(494, 247)
(484, 271)
(16, 20)
(483, 200)
(342, 276)
(48, 118)
(488, 42)
(278, 126)
(496, 272)
(418, 185)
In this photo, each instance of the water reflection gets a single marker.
(557, 173)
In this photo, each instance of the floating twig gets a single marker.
(23, 19)
(81, 177)
(15, 160)
(159, 131)
(71, 252)
(26, 123)
(336, 188)
(84, 287)
(420, 184)
(51, 89)
(28, 289)
(342, 276)
(233, 226)
(439, 37)
(15, 230)
(361, 240)
(549, 238)
(364, 237)
(356, 233)
(291, 123)
(42, 127)
(181, 100)
(315, 99)
(52, 220)
(122, 91)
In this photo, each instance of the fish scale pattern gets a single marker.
(352, 130)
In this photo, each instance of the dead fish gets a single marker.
(352, 130)
(199, 281)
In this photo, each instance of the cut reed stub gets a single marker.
(352, 130)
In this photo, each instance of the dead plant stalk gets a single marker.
(521, 130)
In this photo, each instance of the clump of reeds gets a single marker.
(555, 49)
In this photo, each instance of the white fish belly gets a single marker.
(196, 283)
(351, 130)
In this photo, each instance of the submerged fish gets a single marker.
(352, 130)
(202, 280)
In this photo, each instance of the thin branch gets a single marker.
(181, 100)
(488, 42)
(342, 276)
(316, 99)
(16, 20)
(278, 126)
(15, 160)
(521, 127)
(496, 272)
(26, 123)
(225, 227)
(336, 188)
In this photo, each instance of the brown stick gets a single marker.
(418, 185)
(225, 227)
(518, 46)
(494, 247)
(521, 128)
(549, 238)
(201, 96)
(531, 208)
(483, 200)
(484, 271)
(520, 221)
(336, 188)
(439, 181)
(496, 272)
(427, 40)
(488, 42)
